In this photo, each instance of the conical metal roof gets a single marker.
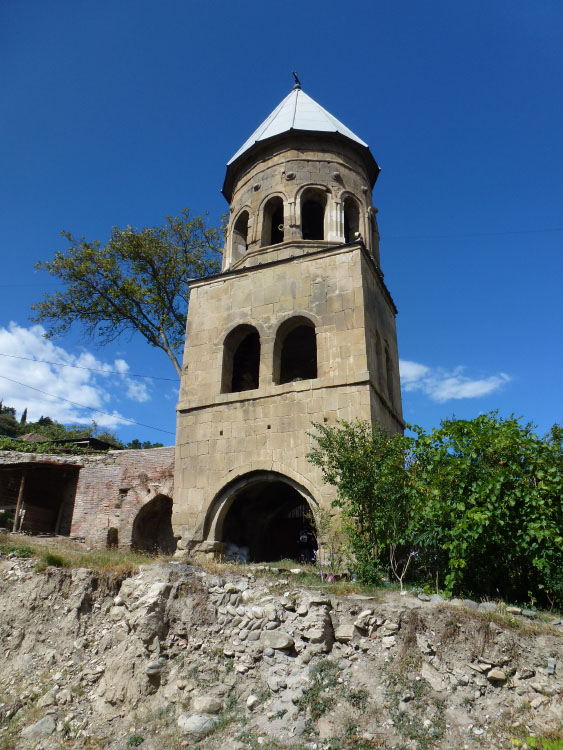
(297, 112)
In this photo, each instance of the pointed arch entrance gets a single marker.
(267, 513)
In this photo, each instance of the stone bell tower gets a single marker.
(298, 327)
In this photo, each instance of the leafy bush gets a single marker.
(491, 496)
(476, 504)
(375, 490)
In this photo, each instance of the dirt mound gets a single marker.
(172, 656)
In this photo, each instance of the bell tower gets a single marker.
(298, 327)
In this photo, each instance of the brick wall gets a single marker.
(112, 488)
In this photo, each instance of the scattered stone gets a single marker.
(529, 613)
(276, 683)
(44, 727)
(424, 597)
(206, 704)
(514, 610)
(277, 640)
(154, 668)
(470, 604)
(496, 675)
(551, 665)
(195, 726)
(344, 632)
(541, 687)
(487, 607)
(252, 701)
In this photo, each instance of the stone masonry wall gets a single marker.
(224, 435)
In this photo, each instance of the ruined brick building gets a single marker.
(298, 327)
(120, 498)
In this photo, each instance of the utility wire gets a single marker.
(468, 234)
(82, 406)
(92, 369)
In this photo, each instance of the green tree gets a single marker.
(479, 502)
(491, 498)
(9, 425)
(136, 283)
(369, 468)
(137, 444)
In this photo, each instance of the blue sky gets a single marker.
(118, 113)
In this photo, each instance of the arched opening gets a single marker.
(351, 219)
(112, 540)
(313, 204)
(295, 351)
(272, 221)
(241, 360)
(152, 527)
(269, 520)
(240, 236)
(389, 374)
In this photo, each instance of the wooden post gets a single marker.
(20, 501)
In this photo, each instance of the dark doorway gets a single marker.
(152, 528)
(241, 360)
(298, 357)
(272, 234)
(273, 520)
(313, 215)
(41, 494)
(351, 220)
(112, 540)
(246, 364)
(240, 236)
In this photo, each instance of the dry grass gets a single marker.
(64, 553)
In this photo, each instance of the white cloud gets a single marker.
(88, 387)
(442, 385)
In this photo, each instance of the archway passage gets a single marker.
(272, 520)
(152, 527)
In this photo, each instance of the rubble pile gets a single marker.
(173, 656)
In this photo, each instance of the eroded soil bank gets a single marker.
(172, 656)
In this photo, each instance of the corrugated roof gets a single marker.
(297, 112)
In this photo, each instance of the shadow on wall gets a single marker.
(152, 527)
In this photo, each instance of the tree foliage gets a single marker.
(375, 489)
(136, 283)
(479, 503)
(492, 493)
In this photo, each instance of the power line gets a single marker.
(92, 369)
(468, 234)
(82, 406)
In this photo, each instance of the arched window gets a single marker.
(313, 204)
(272, 221)
(295, 351)
(240, 236)
(241, 360)
(351, 219)
(389, 373)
